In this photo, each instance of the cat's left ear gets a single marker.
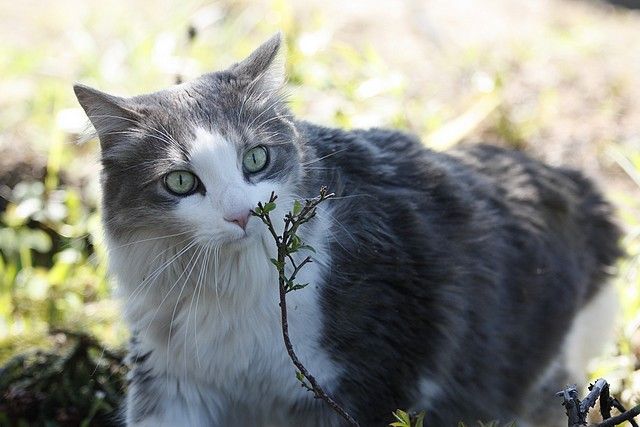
(265, 67)
(107, 113)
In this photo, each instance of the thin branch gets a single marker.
(619, 419)
(297, 268)
(605, 403)
(616, 404)
(288, 243)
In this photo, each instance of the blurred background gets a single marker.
(559, 79)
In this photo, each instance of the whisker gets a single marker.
(175, 308)
(216, 269)
(157, 272)
(317, 168)
(136, 134)
(163, 136)
(331, 218)
(173, 259)
(195, 314)
(167, 294)
(324, 157)
(247, 96)
(266, 110)
(150, 239)
(278, 117)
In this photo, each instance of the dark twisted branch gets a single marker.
(595, 391)
(577, 410)
(287, 243)
(571, 404)
(605, 404)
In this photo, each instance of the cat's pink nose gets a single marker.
(240, 218)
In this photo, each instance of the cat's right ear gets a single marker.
(264, 68)
(108, 114)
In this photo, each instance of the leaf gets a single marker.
(268, 207)
(405, 417)
(402, 417)
(297, 207)
(308, 248)
(294, 244)
(279, 265)
(298, 286)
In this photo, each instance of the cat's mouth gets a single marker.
(240, 237)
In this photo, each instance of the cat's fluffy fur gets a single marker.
(442, 281)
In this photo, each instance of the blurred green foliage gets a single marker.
(52, 260)
(80, 384)
(49, 265)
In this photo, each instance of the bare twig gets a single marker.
(571, 404)
(605, 404)
(577, 410)
(619, 419)
(624, 414)
(287, 243)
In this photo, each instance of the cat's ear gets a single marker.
(265, 67)
(107, 113)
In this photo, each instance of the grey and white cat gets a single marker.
(447, 282)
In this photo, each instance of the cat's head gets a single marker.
(196, 157)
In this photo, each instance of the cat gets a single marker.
(467, 284)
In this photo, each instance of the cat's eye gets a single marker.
(255, 159)
(181, 183)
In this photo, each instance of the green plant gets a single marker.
(287, 244)
(404, 419)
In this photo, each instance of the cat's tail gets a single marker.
(593, 326)
(603, 235)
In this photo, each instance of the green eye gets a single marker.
(181, 183)
(255, 159)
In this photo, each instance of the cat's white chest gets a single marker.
(219, 326)
(238, 347)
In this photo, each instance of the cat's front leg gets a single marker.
(162, 400)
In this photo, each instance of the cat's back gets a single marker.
(479, 248)
(480, 186)
(550, 203)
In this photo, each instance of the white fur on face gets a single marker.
(211, 319)
(218, 165)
